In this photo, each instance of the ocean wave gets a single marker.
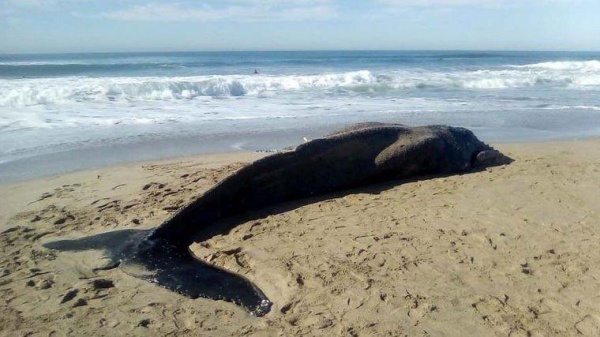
(41, 63)
(46, 91)
(27, 92)
(567, 107)
(75, 62)
(591, 65)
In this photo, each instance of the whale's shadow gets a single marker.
(169, 266)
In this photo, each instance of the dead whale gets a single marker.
(360, 155)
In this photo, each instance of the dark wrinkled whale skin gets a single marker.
(357, 156)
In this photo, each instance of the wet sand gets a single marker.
(509, 250)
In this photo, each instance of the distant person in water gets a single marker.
(255, 71)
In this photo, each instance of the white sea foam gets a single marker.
(71, 90)
(41, 63)
(70, 62)
(28, 92)
(591, 65)
(101, 102)
(570, 107)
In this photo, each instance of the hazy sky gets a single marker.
(38, 26)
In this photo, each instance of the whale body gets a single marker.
(360, 155)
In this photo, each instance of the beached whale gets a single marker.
(357, 156)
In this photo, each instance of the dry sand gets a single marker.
(510, 250)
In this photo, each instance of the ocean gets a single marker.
(66, 112)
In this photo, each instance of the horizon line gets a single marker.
(304, 50)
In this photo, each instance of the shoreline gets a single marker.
(188, 142)
(47, 165)
(505, 250)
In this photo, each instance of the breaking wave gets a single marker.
(77, 89)
(591, 65)
(29, 92)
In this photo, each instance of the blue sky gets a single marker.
(40, 26)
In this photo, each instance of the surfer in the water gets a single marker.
(256, 71)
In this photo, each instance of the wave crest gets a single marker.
(591, 65)
(68, 90)
(28, 92)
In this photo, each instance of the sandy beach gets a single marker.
(506, 251)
